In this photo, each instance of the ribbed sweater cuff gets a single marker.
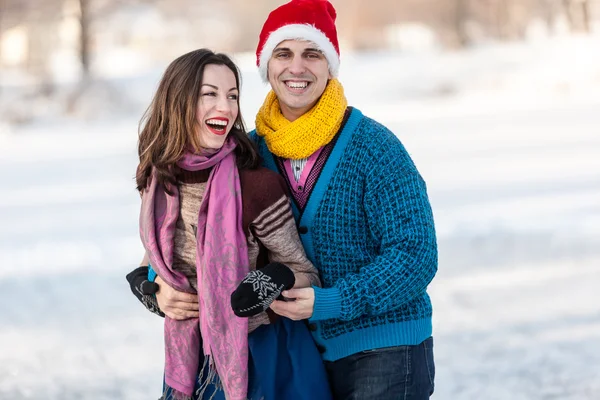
(328, 304)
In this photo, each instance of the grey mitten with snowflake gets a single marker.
(260, 288)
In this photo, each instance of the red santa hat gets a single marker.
(310, 20)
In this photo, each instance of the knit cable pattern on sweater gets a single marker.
(374, 235)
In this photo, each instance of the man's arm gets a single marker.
(400, 216)
(143, 289)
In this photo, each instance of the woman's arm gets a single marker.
(158, 297)
(276, 230)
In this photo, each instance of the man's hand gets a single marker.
(175, 304)
(301, 308)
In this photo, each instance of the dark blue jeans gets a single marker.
(393, 373)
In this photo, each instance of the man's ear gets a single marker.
(330, 76)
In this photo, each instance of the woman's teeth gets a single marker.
(217, 125)
(217, 122)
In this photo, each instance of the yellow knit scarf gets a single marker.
(313, 130)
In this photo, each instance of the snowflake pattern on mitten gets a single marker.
(261, 284)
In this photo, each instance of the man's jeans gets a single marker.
(393, 373)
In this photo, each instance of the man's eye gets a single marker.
(282, 55)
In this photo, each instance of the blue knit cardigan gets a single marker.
(368, 228)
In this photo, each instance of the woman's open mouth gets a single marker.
(218, 125)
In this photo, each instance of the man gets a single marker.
(362, 212)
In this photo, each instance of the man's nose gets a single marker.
(297, 66)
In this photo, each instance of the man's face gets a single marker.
(298, 73)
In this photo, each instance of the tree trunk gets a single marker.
(1, 26)
(549, 13)
(460, 19)
(502, 19)
(84, 38)
(1, 14)
(578, 15)
(585, 15)
(569, 14)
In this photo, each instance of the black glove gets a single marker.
(259, 288)
(143, 289)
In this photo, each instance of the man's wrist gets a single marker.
(328, 304)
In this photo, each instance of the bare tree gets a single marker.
(84, 38)
(461, 10)
(2, 11)
(578, 14)
(585, 13)
(547, 9)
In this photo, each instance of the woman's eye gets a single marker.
(209, 94)
(233, 96)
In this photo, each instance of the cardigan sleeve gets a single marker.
(399, 216)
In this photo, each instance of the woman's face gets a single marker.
(217, 107)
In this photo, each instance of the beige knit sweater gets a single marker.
(267, 221)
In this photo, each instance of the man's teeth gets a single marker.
(217, 122)
(297, 85)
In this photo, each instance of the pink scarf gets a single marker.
(221, 262)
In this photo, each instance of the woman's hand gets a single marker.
(174, 304)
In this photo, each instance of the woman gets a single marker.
(216, 225)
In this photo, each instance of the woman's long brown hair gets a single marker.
(169, 124)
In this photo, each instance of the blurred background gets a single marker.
(498, 102)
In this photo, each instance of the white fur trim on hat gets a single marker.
(299, 32)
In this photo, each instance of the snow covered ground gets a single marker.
(508, 139)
